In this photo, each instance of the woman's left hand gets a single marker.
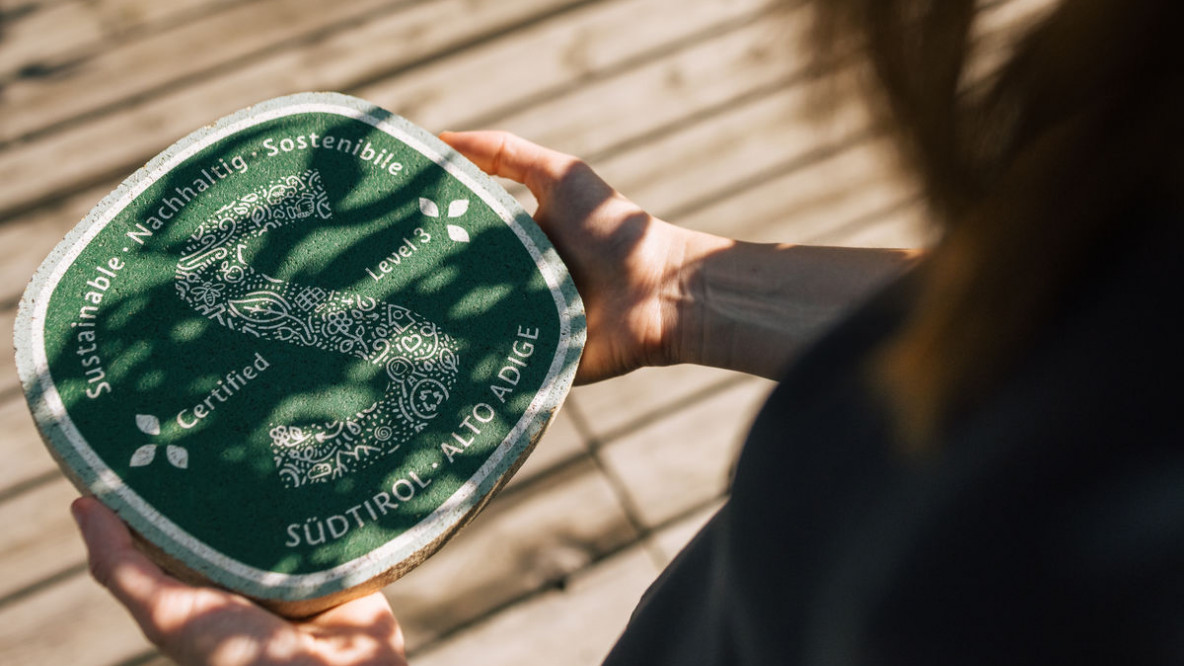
(203, 625)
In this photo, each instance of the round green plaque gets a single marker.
(299, 349)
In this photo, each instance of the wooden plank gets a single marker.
(80, 28)
(665, 133)
(710, 75)
(524, 542)
(619, 110)
(609, 409)
(243, 32)
(9, 382)
(902, 226)
(561, 445)
(586, 121)
(710, 159)
(584, 54)
(25, 47)
(40, 540)
(123, 16)
(26, 458)
(822, 176)
(26, 241)
(72, 622)
(112, 145)
(625, 108)
(575, 626)
(676, 464)
(809, 203)
(24, 244)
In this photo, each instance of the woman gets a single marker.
(979, 462)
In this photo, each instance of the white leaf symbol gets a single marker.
(143, 455)
(429, 207)
(148, 424)
(458, 234)
(458, 207)
(178, 456)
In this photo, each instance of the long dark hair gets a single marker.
(1030, 173)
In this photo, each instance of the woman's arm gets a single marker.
(751, 307)
(657, 294)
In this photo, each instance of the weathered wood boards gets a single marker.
(661, 95)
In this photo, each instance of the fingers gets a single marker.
(160, 604)
(370, 610)
(361, 631)
(114, 561)
(190, 623)
(510, 156)
(202, 625)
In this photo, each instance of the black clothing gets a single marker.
(1047, 529)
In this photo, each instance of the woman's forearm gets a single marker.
(751, 307)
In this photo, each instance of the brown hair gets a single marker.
(1029, 173)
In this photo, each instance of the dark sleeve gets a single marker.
(1047, 529)
(1126, 559)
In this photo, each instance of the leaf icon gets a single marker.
(177, 456)
(143, 455)
(148, 424)
(458, 207)
(458, 234)
(429, 207)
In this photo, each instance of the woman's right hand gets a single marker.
(626, 263)
(657, 294)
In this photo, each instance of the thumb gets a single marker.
(510, 156)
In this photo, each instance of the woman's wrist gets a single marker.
(685, 317)
(751, 307)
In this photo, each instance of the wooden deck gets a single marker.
(700, 110)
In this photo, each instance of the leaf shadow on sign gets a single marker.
(216, 401)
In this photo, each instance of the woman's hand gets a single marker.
(195, 625)
(625, 262)
(657, 294)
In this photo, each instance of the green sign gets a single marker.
(300, 347)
